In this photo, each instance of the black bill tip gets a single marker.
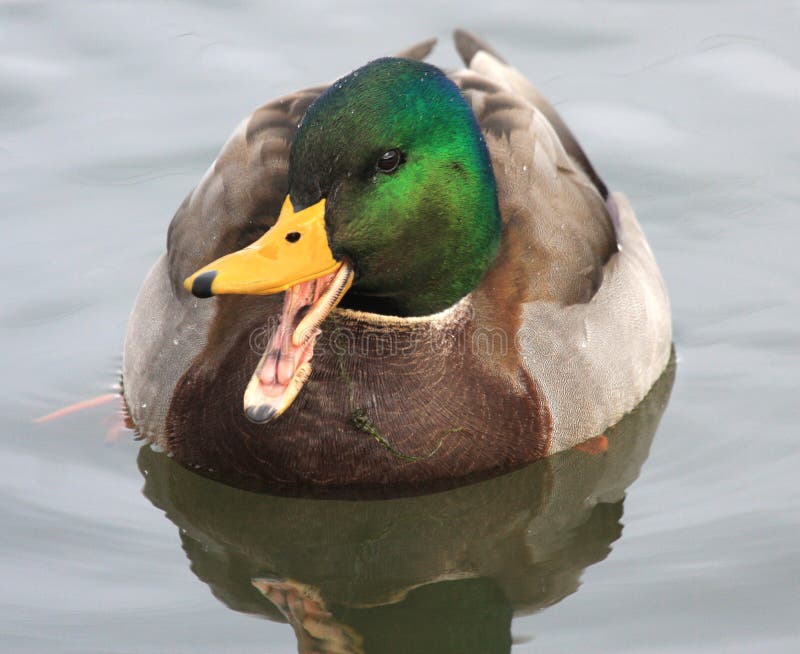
(201, 286)
(261, 413)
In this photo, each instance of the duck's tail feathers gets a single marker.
(418, 51)
(468, 45)
(494, 67)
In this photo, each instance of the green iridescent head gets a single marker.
(396, 152)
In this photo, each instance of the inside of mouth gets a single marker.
(286, 363)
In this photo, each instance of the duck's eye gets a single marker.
(390, 161)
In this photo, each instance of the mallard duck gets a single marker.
(403, 278)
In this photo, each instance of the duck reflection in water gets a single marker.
(437, 573)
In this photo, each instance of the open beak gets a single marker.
(293, 256)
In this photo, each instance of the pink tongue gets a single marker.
(282, 358)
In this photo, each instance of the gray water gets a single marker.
(111, 111)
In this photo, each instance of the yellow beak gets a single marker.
(294, 250)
